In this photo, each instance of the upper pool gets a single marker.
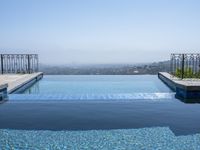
(104, 84)
(93, 87)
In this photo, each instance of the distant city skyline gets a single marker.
(100, 32)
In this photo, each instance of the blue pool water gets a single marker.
(98, 84)
(95, 87)
(98, 112)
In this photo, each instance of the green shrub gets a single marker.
(188, 73)
(178, 73)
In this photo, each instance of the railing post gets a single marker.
(182, 66)
(29, 69)
(171, 67)
(37, 69)
(1, 63)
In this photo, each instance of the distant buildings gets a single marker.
(151, 68)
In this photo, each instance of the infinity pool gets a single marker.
(94, 112)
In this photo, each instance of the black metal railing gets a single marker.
(18, 63)
(185, 65)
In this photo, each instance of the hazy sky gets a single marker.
(99, 31)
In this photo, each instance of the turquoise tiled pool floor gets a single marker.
(145, 138)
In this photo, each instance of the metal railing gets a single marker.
(185, 65)
(18, 63)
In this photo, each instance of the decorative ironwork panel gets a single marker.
(185, 65)
(19, 63)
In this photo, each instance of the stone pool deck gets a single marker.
(186, 89)
(19, 81)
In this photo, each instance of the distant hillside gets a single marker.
(117, 69)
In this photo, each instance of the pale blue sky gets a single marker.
(99, 31)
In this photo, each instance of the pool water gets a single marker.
(96, 87)
(95, 84)
(98, 112)
(90, 102)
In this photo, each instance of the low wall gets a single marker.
(3, 92)
(185, 91)
(170, 83)
(17, 83)
(23, 86)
